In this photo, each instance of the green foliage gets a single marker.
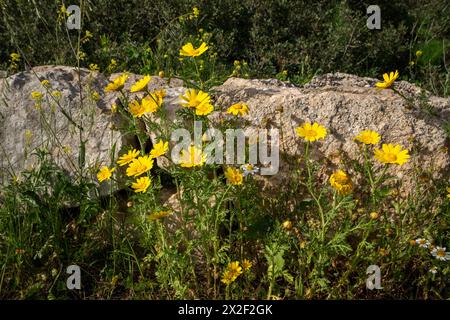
(302, 37)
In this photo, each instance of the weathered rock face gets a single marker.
(25, 127)
(345, 105)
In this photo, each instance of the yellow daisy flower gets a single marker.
(192, 157)
(204, 109)
(341, 182)
(188, 50)
(159, 149)
(45, 83)
(233, 176)
(137, 109)
(36, 95)
(448, 190)
(246, 264)
(231, 273)
(104, 173)
(160, 94)
(193, 98)
(139, 166)
(287, 224)
(117, 84)
(311, 132)
(140, 85)
(141, 184)
(235, 267)
(159, 214)
(392, 154)
(238, 109)
(152, 102)
(128, 157)
(374, 215)
(56, 94)
(388, 80)
(227, 277)
(368, 137)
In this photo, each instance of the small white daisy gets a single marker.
(439, 253)
(433, 270)
(423, 243)
(249, 169)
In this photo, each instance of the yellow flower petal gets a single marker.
(139, 166)
(188, 50)
(140, 85)
(117, 84)
(141, 184)
(127, 158)
(159, 149)
(104, 173)
(390, 154)
(234, 176)
(311, 132)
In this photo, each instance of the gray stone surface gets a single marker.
(344, 104)
(51, 129)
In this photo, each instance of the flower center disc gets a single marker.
(311, 133)
(391, 157)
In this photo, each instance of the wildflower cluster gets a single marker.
(182, 226)
(340, 180)
(14, 62)
(437, 252)
(197, 100)
(137, 166)
(234, 270)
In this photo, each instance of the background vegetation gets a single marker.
(301, 37)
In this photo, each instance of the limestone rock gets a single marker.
(345, 105)
(25, 127)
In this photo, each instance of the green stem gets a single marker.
(367, 166)
(381, 176)
(368, 169)
(269, 292)
(216, 244)
(198, 73)
(311, 192)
